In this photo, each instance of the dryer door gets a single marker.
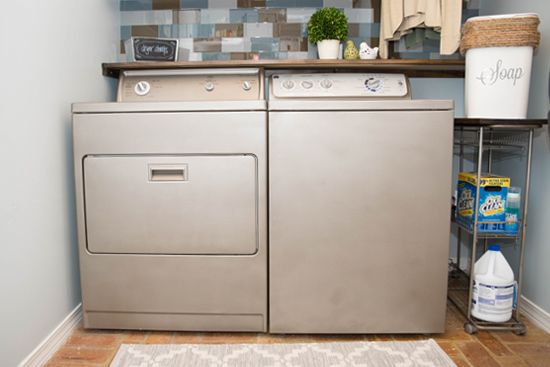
(182, 204)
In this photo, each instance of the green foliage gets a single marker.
(327, 24)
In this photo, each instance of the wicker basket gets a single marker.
(507, 30)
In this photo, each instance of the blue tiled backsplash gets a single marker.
(266, 29)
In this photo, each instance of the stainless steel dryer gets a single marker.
(171, 202)
(359, 188)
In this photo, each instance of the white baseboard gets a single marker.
(46, 349)
(535, 314)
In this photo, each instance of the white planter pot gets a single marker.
(328, 49)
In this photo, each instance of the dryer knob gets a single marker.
(209, 86)
(247, 86)
(142, 88)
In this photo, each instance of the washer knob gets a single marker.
(246, 85)
(209, 86)
(325, 83)
(288, 84)
(306, 84)
(142, 88)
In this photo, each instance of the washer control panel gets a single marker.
(348, 85)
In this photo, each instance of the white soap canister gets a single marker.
(499, 52)
(494, 287)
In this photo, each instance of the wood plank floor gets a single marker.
(87, 348)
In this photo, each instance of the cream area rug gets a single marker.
(421, 353)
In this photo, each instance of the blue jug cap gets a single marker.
(494, 247)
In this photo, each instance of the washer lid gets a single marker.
(359, 105)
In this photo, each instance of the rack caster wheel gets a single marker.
(470, 328)
(520, 331)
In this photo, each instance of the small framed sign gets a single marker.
(154, 49)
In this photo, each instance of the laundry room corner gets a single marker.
(193, 182)
(51, 56)
(537, 251)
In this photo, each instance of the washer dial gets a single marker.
(326, 83)
(373, 84)
(288, 84)
(306, 84)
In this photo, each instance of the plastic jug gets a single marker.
(494, 287)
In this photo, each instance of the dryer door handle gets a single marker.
(167, 172)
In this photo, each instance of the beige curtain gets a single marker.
(399, 17)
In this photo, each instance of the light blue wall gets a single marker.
(51, 56)
(431, 88)
(537, 250)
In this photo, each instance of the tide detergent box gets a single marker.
(492, 201)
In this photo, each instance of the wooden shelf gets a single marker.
(500, 123)
(412, 68)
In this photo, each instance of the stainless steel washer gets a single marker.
(359, 188)
(171, 202)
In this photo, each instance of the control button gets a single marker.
(326, 83)
(209, 86)
(373, 84)
(246, 86)
(288, 84)
(142, 88)
(306, 84)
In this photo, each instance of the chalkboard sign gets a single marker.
(155, 49)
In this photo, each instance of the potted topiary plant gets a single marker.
(327, 28)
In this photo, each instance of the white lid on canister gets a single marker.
(500, 16)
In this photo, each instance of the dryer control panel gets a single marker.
(190, 85)
(340, 85)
